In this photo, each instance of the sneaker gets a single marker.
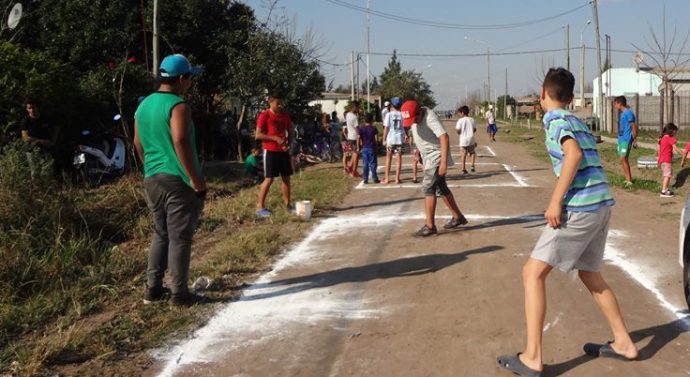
(454, 223)
(290, 208)
(464, 171)
(472, 169)
(189, 299)
(365, 182)
(425, 231)
(152, 295)
(666, 194)
(263, 212)
(627, 184)
(377, 181)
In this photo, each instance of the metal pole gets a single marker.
(505, 98)
(156, 58)
(368, 53)
(357, 74)
(567, 47)
(488, 74)
(352, 76)
(582, 76)
(595, 10)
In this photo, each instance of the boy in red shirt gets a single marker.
(667, 144)
(273, 128)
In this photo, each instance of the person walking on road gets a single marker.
(491, 127)
(368, 143)
(352, 132)
(466, 127)
(164, 137)
(274, 130)
(627, 135)
(578, 218)
(434, 145)
(394, 135)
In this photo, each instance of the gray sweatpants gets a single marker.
(176, 209)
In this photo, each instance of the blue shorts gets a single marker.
(492, 128)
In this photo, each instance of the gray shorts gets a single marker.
(578, 244)
(434, 184)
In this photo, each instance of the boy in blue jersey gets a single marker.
(627, 135)
(578, 218)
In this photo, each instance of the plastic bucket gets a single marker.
(303, 209)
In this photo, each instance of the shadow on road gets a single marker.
(538, 217)
(681, 178)
(660, 336)
(376, 204)
(404, 267)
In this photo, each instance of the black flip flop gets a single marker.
(512, 363)
(604, 350)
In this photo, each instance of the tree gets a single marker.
(670, 60)
(510, 101)
(394, 82)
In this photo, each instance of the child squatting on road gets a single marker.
(578, 218)
(434, 145)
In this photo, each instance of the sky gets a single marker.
(534, 27)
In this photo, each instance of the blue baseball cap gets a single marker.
(395, 101)
(177, 65)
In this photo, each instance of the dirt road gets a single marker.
(361, 297)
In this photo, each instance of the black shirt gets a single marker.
(38, 128)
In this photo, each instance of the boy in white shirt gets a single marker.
(394, 135)
(466, 127)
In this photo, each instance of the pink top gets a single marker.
(666, 149)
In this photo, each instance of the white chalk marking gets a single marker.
(636, 271)
(374, 186)
(491, 151)
(520, 179)
(554, 323)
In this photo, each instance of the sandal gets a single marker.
(604, 350)
(515, 365)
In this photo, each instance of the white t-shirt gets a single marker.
(394, 123)
(466, 127)
(352, 123)
(426, 136)
(490, 117)
(384, 112)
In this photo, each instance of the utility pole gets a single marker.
(582, 66)
(488, 74)
(608, 64)
(505, 98)
(368, 53)
(602, 119)
(357, 75)
(567, 47)
(156, 58)
(352, 76)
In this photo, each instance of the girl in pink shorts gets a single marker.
(667, 144)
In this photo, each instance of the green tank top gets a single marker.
(153, 125)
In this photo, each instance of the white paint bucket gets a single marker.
(303, 209)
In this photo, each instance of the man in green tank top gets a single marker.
(164, 136)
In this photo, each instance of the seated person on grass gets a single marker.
(252, 166)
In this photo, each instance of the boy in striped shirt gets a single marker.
(578, 218)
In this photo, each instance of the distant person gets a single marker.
(394, 136)
(274, 129)
(334, 116)
(351, 132)
(578, 218)
(252, 167)
(434, 145)
(368, 143)
(667, 145)
(385, 111)
(335, 130)
(466, 127)
(36, 129)
(165, 140)
(627, 135)
(491, 127)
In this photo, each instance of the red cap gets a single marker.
(409, 111)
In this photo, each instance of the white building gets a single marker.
(626, 82)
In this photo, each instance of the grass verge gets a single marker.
(90, 320)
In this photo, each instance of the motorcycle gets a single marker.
(99, 156)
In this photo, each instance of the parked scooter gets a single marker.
(100, 156)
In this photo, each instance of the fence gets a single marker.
(648, 110)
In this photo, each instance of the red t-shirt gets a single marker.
(666, 149)
(274, 124)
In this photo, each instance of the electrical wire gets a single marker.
(443, 25)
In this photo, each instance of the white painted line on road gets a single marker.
(520, 179)
(638, 272)
(491, 151)
(374, 186)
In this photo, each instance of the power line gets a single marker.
(444, 25)
(477, 54)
